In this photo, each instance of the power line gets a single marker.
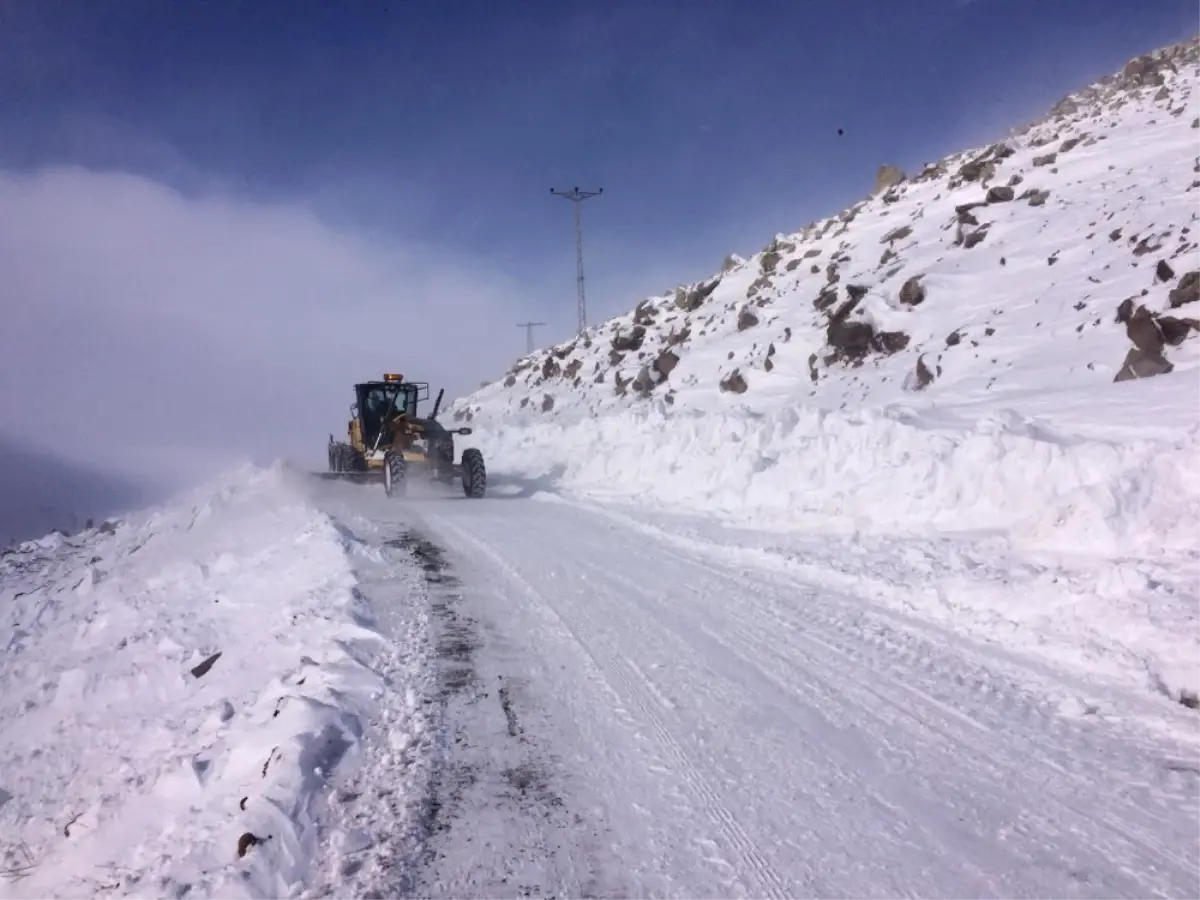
(576, 196)
(529, 326)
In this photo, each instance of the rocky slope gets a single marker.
(1066, 254)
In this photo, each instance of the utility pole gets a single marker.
(576, 196)
(529, 326)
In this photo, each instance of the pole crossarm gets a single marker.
(529, 326)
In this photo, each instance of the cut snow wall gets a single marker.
(884, 471)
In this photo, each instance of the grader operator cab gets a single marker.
(387, 439)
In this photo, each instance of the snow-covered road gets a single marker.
(628, 713)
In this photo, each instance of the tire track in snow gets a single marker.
(936, 700)
(877, 675)
(638, 688)
(633, 687)
(486, 772)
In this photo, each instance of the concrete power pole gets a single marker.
(576, 196)
(529, 326)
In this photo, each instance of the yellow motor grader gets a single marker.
(387, 438)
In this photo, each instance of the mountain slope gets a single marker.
(43, 492)
(1046, 258)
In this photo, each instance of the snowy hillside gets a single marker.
(972, 348)
(178, 690)
(1063, 256)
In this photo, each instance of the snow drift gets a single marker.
(890, 471)
(178, 690)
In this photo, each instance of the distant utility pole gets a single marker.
(529, 326)
(576, 196)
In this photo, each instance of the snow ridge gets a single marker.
(180, 689)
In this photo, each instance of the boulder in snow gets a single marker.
(734, 383)
(1187, 290)
(888, 176)
(912, 292)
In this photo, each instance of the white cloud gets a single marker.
(151, 333)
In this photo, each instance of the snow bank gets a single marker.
(890, 471)
(136, 760)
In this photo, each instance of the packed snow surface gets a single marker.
(642, 707)
(192, 676)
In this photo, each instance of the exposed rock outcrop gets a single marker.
(887, 177)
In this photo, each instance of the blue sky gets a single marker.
(710, 124)
(439, 127)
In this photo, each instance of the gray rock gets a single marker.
(912, 292)
(678, 337)
(1174, 330)
(644, 382)
(1143, 331)
(1140, 69)
(845, 309)
(734, 382)
(922, 377)
(980, 169)
(1000, 194)
(746, 319)
(851, 340)
(1142, 364)
(632, 341)
(689, 301)
(1186, 291)
(975, 237)
(890, 342)
(826, 298)
(887, 177)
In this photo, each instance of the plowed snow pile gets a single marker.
(882, 472)
(176, 691)
(1002, 342)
